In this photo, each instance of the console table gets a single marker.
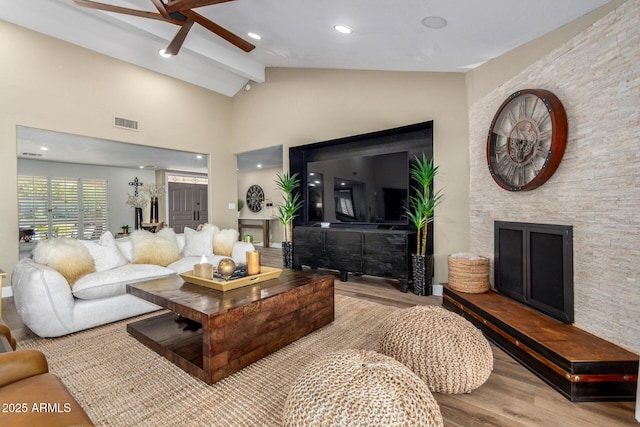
(263, 224)
(372, 251)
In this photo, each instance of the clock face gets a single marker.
(526, 140)
(255, 197)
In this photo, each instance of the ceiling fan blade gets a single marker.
(220, 31)
(117, 9)
(178, 40)
(161, 8)
(180, 5)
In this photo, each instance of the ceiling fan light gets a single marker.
(342, 29)
(164, 54)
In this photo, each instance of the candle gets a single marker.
(204, 270)
(253, 263)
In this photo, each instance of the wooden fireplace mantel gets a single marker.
(579, 365)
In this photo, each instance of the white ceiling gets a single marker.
(387, 34)
(67, 148)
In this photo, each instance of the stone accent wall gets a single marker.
(596, 189)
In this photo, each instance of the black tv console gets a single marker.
(371, 251)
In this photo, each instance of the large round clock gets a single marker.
(255, 197)
(526, 139)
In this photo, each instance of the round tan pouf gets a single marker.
(360, 388)
(448, 352)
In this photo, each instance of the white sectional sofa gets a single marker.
(51, 306)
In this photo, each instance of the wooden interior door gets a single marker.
(187, 205)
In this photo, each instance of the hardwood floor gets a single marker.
(512, 396)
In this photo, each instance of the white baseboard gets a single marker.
(437, 290)
(7, 292)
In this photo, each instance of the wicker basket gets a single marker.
(468, 273)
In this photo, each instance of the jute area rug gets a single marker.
(120, 382)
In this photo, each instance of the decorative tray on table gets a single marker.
(266, 273)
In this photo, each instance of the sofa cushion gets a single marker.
(68, 256)
(125, 245)
(181, 242)
(105, 253)
(224, 240)
(109, 283)
(159, 248)
(198, 243)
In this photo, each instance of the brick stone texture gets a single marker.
(596, 188)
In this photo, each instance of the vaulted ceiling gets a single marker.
(386, 35)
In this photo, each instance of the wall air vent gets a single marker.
(27, 154)
(119, 122)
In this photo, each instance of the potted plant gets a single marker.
(420, 213)
(240, 205)
(125, 229)
(287, 211)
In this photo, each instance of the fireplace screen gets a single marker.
(534, 265)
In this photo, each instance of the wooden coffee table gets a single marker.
(212, 334)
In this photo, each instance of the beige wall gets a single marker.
(302, 106)
(50, 84)
(596, 189)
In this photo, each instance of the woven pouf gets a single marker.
(449, 353)
(359, 388)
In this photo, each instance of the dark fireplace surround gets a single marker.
(534, 266)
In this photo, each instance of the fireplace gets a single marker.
(534, 266)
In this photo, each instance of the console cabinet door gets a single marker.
(344, 250)
(321, 248)
(308, 247)
(386, 254)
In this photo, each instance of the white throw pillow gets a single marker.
(198, 243)
(105, 253)
(125, 245)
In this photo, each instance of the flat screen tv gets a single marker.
(362, 189)
(360, 180)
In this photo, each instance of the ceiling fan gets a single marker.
(178, 12)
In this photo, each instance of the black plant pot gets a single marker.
(153, 215)
(422, 274)
(138, 218)
(287, 255)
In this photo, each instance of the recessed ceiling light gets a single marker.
(199, 156)
(44, 148)
(164, 54)
(434, 22)
(259, 165)
(140, 167)
(255, 36)
(342, 29)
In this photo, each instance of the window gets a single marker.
(344, 203)
(69, 207)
